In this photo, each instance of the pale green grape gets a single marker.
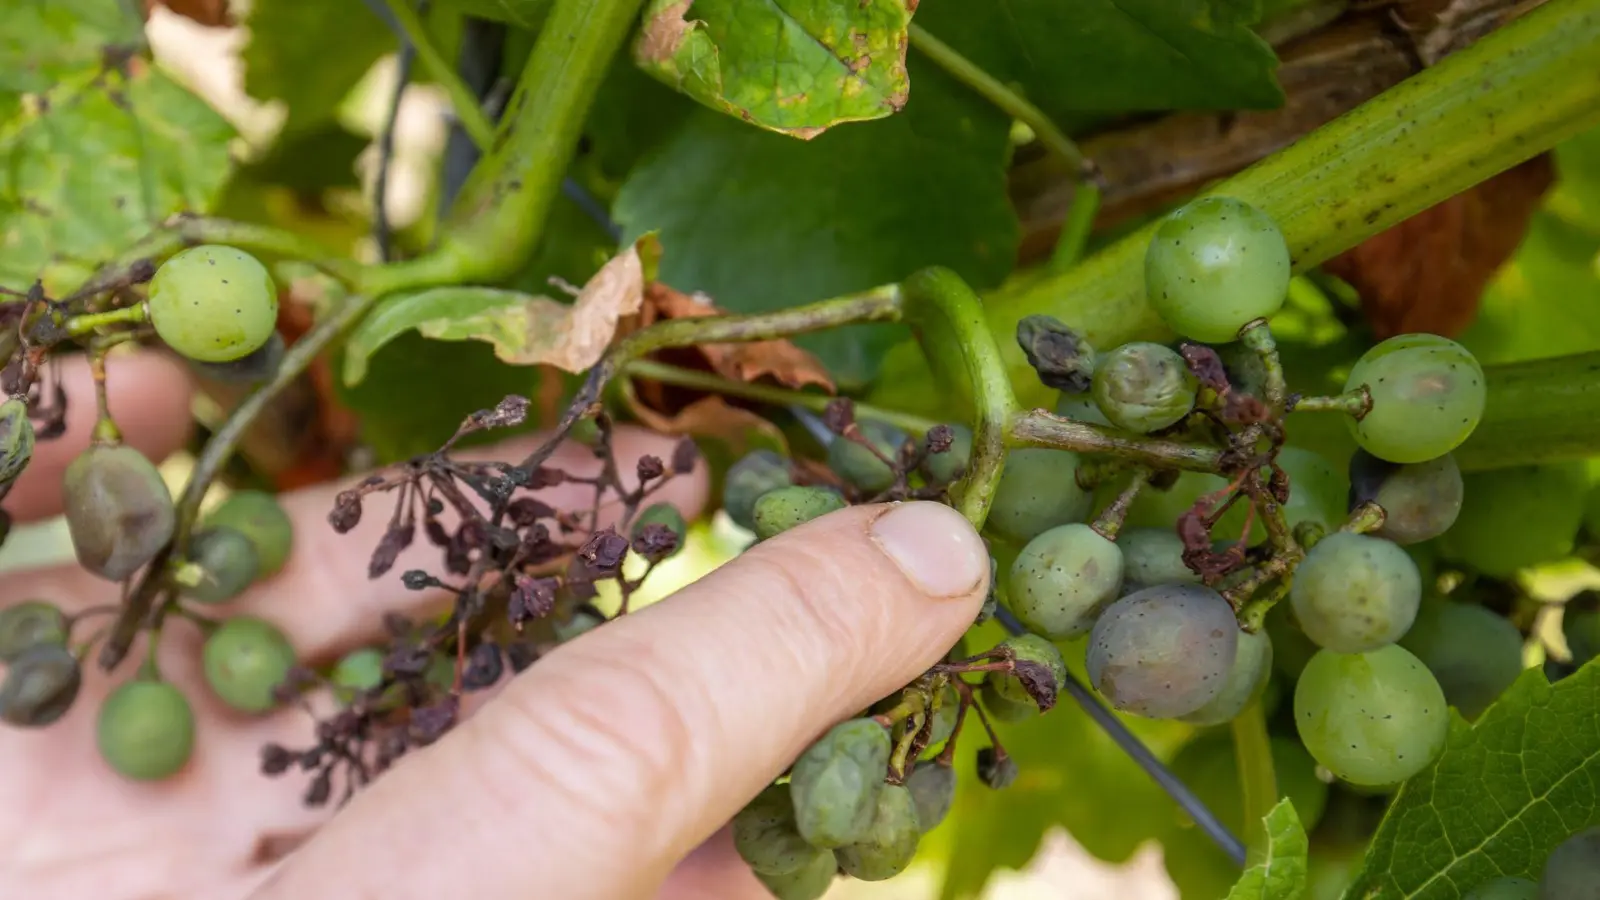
(145, 730)
(861, 467)
(1517, 517)
(1153, 556)
(1474, 653)
(1038, 490)
(213, 303)
(766, 836)
(1252, 666)
(890, 842)
(790, 507)
(1215, 265)
(1427, 396)
(1354, 593)
(836, 783)
(1143, 387)
(755, 474)
(245, 660)
(1062, 580)
(1372, 719)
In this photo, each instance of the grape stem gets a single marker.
(1367, 517)
(1258, 783)
(1109, 523)
(1355, 404)
(1258, 337)
(1038, 428)
(1077, 227)
(84, 323)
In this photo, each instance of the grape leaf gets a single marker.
(1282, 875)
(1115, 55)
(760, 221)
(96, 163)
(796, 67)
(310, 55)
(44, 43)
(1505, 792)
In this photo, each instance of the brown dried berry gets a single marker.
(119, 511)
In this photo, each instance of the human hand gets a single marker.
(606, 770)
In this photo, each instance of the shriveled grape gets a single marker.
(836, 782)
(260, 517)
(1420, 501)
(753, 475)
(145, 731)
(1252, 665)
(933, 789)
(1517, 517)
(1062, 580)
(1215, 265)
(869, 472)
(30, 624)
(245, 659)
(667, 516)
(1354, 593)
(1152, 556)
(1427, 395)
(1474, 653)
(213, 303)
(1144, 387)
(1573, 870)
(1165, 651)
(785, 508)
(890, 841)
(943, 468)
(765, 834)
(119, 511)
(40, 685)
(808, 883)
(1373, 718)
(1031, 650)
(227, 562)
(16, 439)
(1038, 490)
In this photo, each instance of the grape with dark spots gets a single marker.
(890, 841)
(789, 507)
(861, 467)
(213, 303)
(1143, 387)
(40, 685)
(1252, 666)
(836, 783)
(1373, 719)
(228, 564)
(30, 624)
(119, 511)
(1152, 556)
(1420, 501)
(1038, 490)
(145, 731)
(1165, 651)
(766, 836)
(1353, 593)
(1427, 396)
(1213, 266)
(1029, 649)
(753, 475)
(1062, 580)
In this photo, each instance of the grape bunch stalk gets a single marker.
(1156, 522)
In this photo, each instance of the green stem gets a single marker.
(1075, 230)
(83, 323)
(1540, 411)
(217, 450)
(1003, 97)
(1512, 95)
(467, 109)
(1355, 404)
(186, 231)
(500, 215)
(1259, 785)
(947, 319)
(1038, 428)
(695, 379)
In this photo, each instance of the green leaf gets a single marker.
(1282, 874)
(98, 164)
(1505, 792)
(44, 43)
(310, 55)
(796, 67)
(1115, 55)
(763, 222)
(1546, 301)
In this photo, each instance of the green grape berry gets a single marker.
(245, 659)
(1420, 501)
(1214, 266)
(227, 562)
(1038, 490)
(16, 439)
(785, 508)
(859, 466)
(1252, 666)
(145, 731)
(1427, 396)
(1063, 578)
(1353, 593)
(1144, 387)
(119, 512)
(755, 474)
(1474, 653)
(766, 836)
(40, 685)
(1318, 491)
(667, 516)
(1291, 649)
(890, 841)
(808, 883)
(1152, 556)
(260, 517)
(359, 670)
(946, 467)
(213, 303)
(836, 782)
(30, 624)
(933, 789)
(1165, 651)
(1505, 889)
(1373, 719)
(1572, 871)
(1516, 517)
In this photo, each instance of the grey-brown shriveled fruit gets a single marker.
(119, 511)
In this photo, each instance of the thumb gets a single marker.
(594, 772)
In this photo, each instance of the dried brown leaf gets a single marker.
(779, 360)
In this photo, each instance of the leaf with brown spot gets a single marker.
(1428, 273)
(778, 360)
